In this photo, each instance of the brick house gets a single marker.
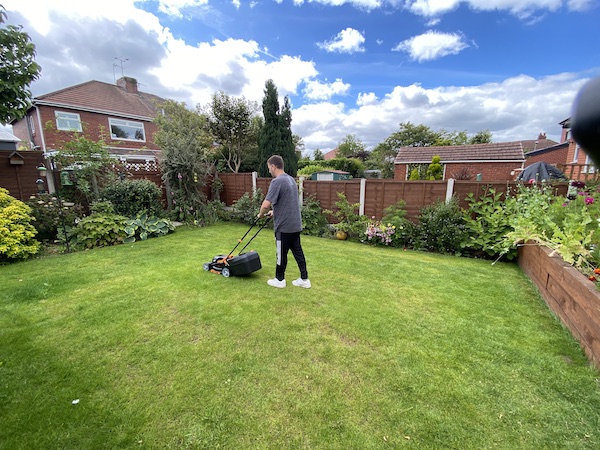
(484, 162)
(119, 114)
(577, 164)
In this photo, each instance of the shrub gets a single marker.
(308, 170)
(99, 230)
(132, 197)
(487, 220)
(211, 212)
(248, 206)
(348, 219)
(569, 226)
(440, 228)
(314, 221)
(395, 215)
(50, 218)
(17, 234)
(435, 170)
(144, 227)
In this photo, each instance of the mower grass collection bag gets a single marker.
(240, 265)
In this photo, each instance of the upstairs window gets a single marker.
(127, 130)
(67, 121)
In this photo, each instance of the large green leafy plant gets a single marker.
(569, 226)
(143, 227)
(17, 234)
(487, 220)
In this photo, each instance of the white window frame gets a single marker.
(129, 124)
(589, 165)
(66, 121)
(576, 154)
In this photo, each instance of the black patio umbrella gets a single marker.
(541, 171)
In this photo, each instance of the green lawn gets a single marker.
(389, 349)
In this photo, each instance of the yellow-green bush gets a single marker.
(16, 231)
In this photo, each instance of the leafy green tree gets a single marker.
(382, 158)
(481, 137)
(275, 137)
(318, 155)
(351, 147)
(410, 135)
(91, 165)
(187, 157)
(231, 123)
(18, 70)
(451, 138)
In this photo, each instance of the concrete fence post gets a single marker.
(301, 190)
(363, 191)
(254, 177)
(449, 189)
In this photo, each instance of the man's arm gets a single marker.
(265, 208)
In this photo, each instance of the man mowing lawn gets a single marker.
(287, 221)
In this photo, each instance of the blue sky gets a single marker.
(357, 67)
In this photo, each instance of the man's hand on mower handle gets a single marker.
(267, 214)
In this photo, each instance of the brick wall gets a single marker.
(95, 126)
(490, 171)
(554, 157)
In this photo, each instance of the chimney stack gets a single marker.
(128, 84)
(542, 136)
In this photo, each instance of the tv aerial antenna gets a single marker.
(120, 62)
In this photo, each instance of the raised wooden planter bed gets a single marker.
(568, 293)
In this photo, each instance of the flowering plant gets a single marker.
(378, 233)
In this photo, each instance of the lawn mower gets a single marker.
(241, 264)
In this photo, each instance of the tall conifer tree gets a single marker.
(275, 136)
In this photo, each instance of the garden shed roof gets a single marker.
(500, 151)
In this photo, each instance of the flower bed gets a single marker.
(568, 293)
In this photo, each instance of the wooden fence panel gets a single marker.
(326, 192)
(234, 186)
(379, 194)
(20, 179)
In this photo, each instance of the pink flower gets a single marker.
(589, 200)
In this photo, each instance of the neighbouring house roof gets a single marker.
(330, 154)
(537, 144)
(543, 150)
(103, 98)
(494, 152)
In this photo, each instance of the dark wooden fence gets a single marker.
(19, 177)
(376, 194)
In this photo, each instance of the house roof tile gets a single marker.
(500, 151)
(104, 98)
(537, 144)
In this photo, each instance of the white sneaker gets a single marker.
(302, 283)
(276, 283)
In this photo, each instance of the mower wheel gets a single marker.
(225, 272)
(206, 266)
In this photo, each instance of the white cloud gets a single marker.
(174, 7)
(315, 90)
(432, 45)
(364, 99)
(346, 41)
(367, 5)
(509, 109)
(521, 8)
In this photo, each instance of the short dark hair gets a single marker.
(276, 160)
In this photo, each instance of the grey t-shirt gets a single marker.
(283, 195)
